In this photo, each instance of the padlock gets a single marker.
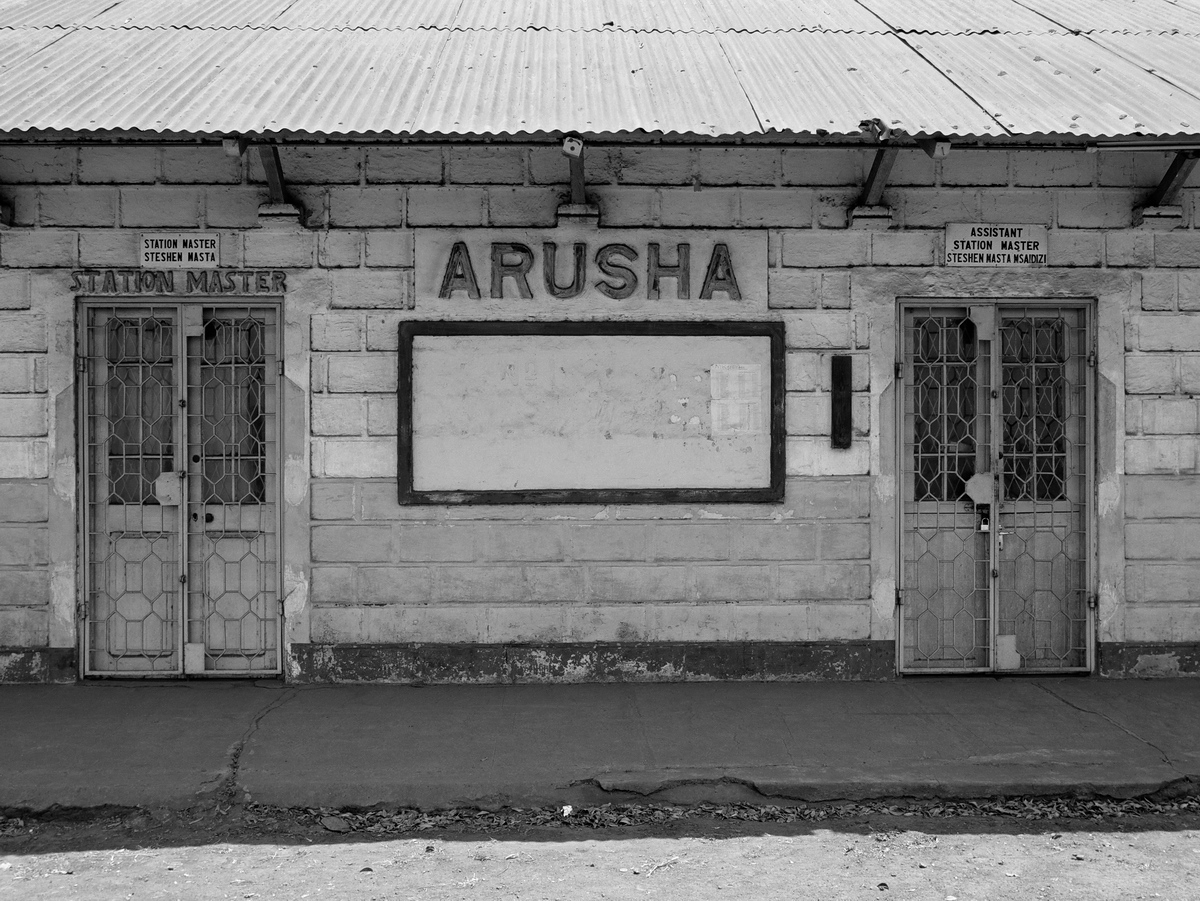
(985, 524)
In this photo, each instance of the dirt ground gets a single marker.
(1028, 850)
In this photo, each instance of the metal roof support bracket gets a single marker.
(870, 217)
(583, 214)
(281, 207)
(870, 212)
(1158, 218)
(1161, 211)
(578, 211)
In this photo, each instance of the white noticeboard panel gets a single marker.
(180, 251)
(1006, 246)
(553, 412)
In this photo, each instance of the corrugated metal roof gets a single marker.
(670, 15)
(1059, 83)
(49, 13)
(25, 43)
(675, 67)
(1123, 16)
(835, 81)
(307, 76)
(369, 14)
(818, 15)
(153, 80)
(1174, 57)
(188, 14)
(961, 16)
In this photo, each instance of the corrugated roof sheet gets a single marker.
(818, 15)
(25, 43)
(188, 14)
(1175, 58)
(1123, 16)
(835, 81)
(49, 13)
(1059, 83)
(674, 67)
(369, 14)
(961, 17)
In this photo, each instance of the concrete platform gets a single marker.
(180, 744)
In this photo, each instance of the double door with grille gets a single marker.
(996, 480)
(179, 416)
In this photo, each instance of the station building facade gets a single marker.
(432, 416)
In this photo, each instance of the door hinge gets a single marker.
(899, 598)
(1091, 358)
(1093, 602)
(279, 604)
(899, 370)
(81, 364)
(279, 363)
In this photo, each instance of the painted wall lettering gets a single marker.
(1014, 246)
(181, 250)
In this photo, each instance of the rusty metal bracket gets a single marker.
(881, 168)
(1177, 173)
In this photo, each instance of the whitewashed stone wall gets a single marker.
(817, 567)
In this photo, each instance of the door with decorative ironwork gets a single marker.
(180, 419)
(996, 486)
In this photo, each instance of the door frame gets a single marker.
(84, 303)
(1089, 307)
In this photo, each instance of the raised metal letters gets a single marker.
(126, 282)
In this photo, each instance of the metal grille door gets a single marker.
(181, 463)
(996, 481)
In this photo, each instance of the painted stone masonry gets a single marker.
(805, 586)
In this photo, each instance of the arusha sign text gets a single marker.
(180, 251)
(974, 244)
(585, 269)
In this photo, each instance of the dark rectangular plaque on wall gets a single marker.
(591, 412)
(841, 419)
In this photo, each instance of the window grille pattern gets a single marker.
(232, 373)
(140, 392)
(1034, 353)
(945, 386)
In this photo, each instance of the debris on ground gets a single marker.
(404, 820)
(608, 816)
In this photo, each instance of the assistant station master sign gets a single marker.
(988, 244)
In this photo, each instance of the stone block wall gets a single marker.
(818, 567)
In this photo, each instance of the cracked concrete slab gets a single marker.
(438, 746)
(450, 745)
(122, 744)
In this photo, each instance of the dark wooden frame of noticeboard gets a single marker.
(717, 329)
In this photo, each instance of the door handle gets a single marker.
(1000, 533)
